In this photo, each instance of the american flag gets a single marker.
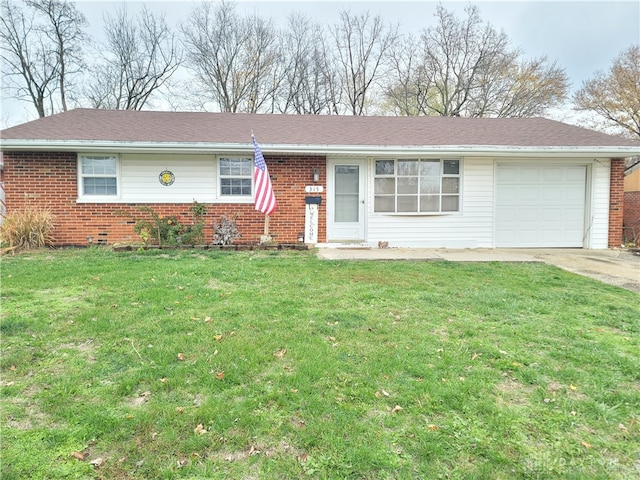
(264, 197)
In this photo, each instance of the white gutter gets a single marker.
(360, 150)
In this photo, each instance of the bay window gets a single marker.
(416, 186)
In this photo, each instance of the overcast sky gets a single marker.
(582, 36)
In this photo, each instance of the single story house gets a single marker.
(398, 181)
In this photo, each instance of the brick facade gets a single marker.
(616, 202)
(632, 213)
(50, 179)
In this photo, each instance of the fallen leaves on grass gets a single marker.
(281, 353)
(200, 430)
(77, 455)
(381, 393)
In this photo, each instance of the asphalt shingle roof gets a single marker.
(319, 130)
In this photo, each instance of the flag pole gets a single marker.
(266, 224)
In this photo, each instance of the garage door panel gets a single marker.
(540, 205)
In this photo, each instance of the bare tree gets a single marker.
(467, 68)
(407, 87)
(65, 26)
(305, 88)
(615, 95)
(235, 59)
(141, 55)
(41, 48)
(362, 46)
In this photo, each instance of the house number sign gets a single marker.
(167, 178)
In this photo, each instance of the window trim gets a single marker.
(231, 198)
(442, 175)
(82, 197)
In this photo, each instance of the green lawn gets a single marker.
(210, 364)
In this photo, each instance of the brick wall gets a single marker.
(616, 202)
(50, 179)
(632, 211)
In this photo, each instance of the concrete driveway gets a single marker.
(615, 267)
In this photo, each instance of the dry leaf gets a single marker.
(13, 368)
(281, 353)
(573, 387)
(200, 429)
(181, 356)
(586, 445)
(378, 395)
(475, 355)
(97, 462)
(253, 451)
(77, 455)
(164, 380)
(207, 319)
(180, 409)
(220, 375)
(622, 427)
(433, 427)
(217, 337)
(397, 409)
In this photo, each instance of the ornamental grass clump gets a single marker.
(27, 229)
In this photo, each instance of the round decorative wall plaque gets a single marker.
(167, 178)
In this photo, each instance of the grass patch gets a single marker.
(189, 364)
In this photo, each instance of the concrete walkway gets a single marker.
(615, 267)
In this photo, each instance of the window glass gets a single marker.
(430, 203)
(450, 185)
(98, 175)
(407, 185)
(385, 204)
(235, 176)
(450, 203)
(430, 185)
(430, 168)
(451, 167)
(384, 185)
(385, 167)
(407, 203)
(407, 167)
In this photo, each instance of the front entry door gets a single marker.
(347, 211)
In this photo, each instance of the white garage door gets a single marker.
(540, 205)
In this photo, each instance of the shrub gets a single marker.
(28, 228)
(226, 231)
(169, 230)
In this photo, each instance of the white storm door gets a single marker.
(346, 213)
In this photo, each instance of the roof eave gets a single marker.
(364, 150)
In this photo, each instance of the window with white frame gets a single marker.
(235, 177)
(416, 186)
(98, 175)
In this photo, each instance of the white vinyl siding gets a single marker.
(598, 214)
(195, 178)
